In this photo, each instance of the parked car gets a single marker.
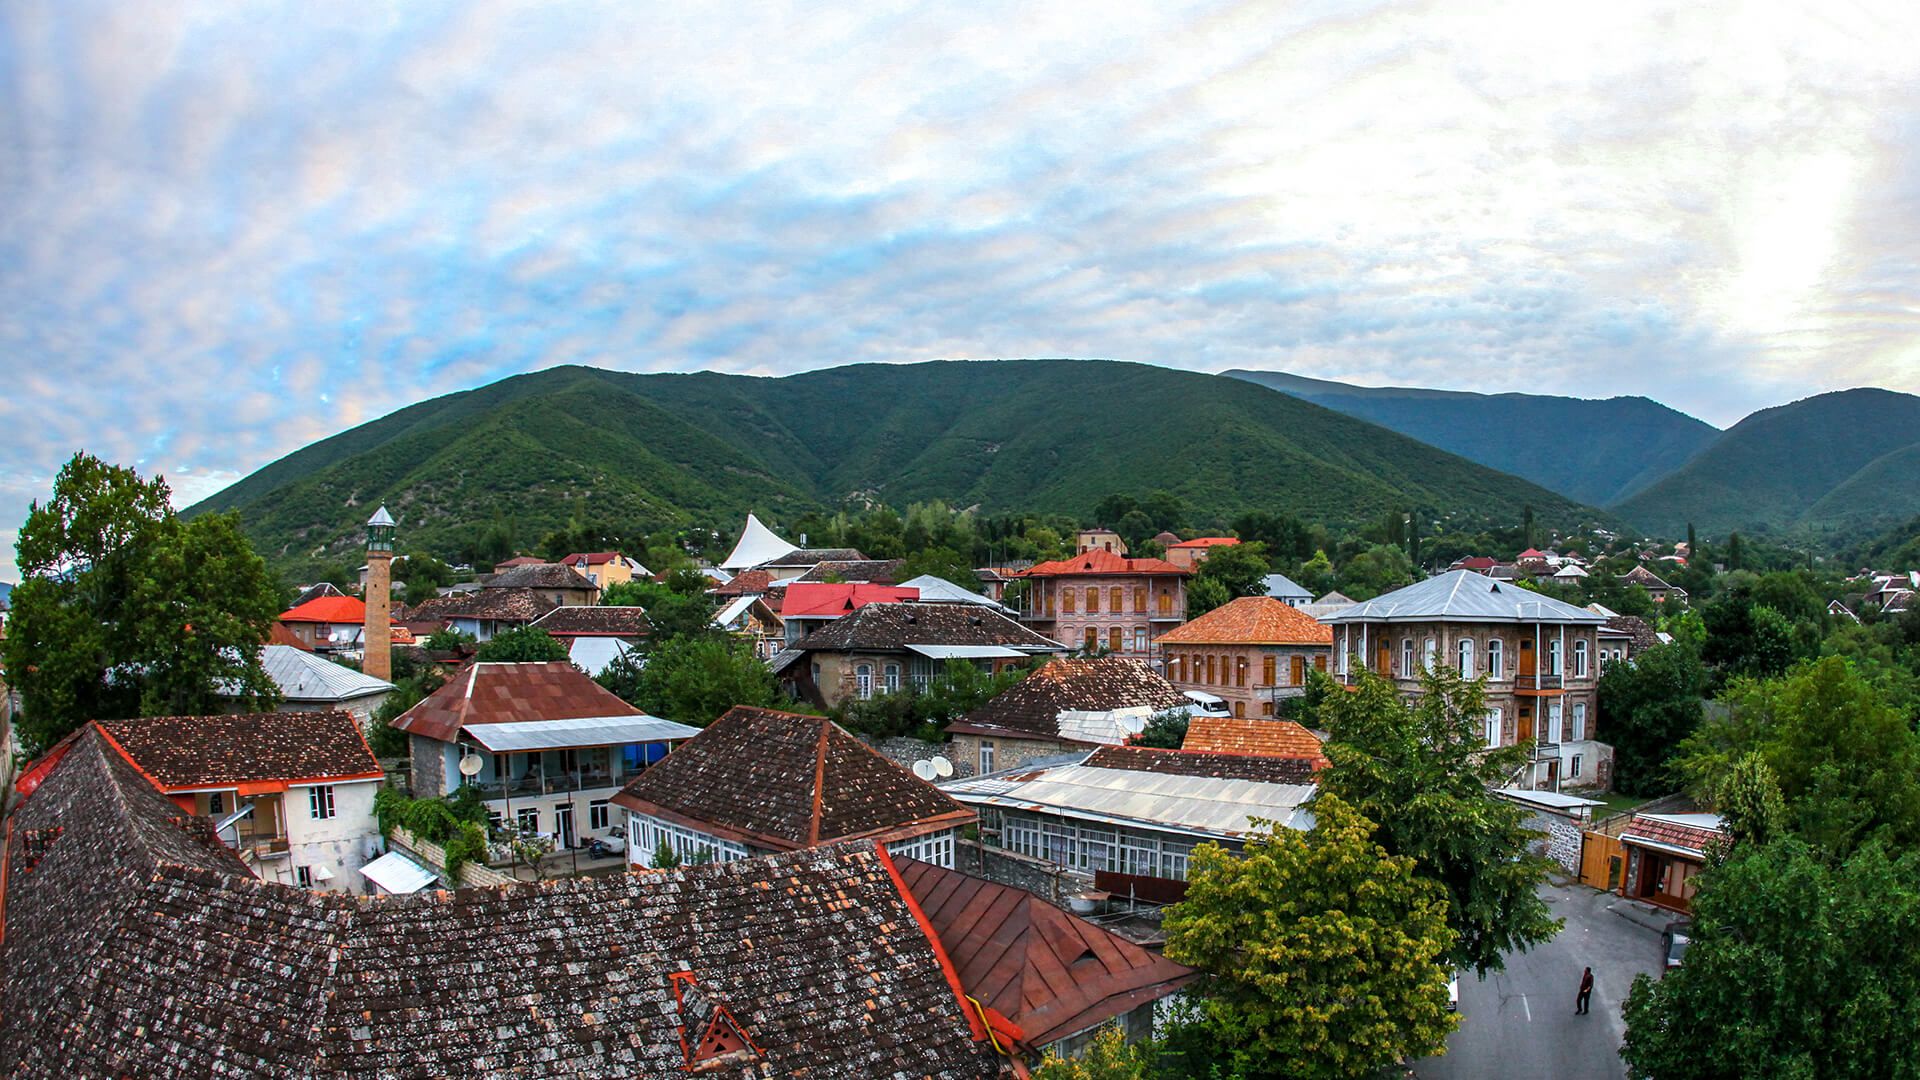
(1205, 704)
(1674, 942)
(1453, 992)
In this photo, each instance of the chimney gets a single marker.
(376, 658)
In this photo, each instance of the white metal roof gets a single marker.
(1553, 799)
(1200, 805)
(1463, 596)
(758, 544)
(397, 874)
(1110, 726)
(593, 654)
(302, 676)
(939, 589)
(520, 735)
(733, 611)
(965, 652)
(1282, 587)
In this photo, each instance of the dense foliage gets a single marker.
(522, 645)
(1648, 706)
(693, 678)
(922, 714)
(128, 610)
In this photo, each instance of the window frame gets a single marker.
(320, 804)
(1464, 655)
(1496, 659)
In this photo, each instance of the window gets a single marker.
(1573, 768)
(1553, 721)
(1116, 600)
(1297, 676)
(1093, 599)
(1319, 663)
(1553, 657)
(1066, 600)
(1406, 658)
(528, 818)
(892, 680)
(1092, 641)
(986, 756)
(936, 849)
(1240, 671)
(597, 814)
(1139, 640)
(1493, 727)
(1496, 661)
(1429, 649)
(1211, 680)
(303, 876)
(1140, 599)
(1579, 721)
(217, 802)
(1270, 670)
(1466, 658)
(1116, 639)
(1240, 709)
(320, 802)
(863, 681)
(1579, 659)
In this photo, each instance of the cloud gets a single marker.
(226, 231)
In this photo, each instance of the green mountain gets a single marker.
(1010, 435)
(1823, 469)
(1623, 444)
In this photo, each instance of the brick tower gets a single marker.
(377, 641)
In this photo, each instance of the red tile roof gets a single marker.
(744, 583)
(590, 558)
(487, 693)
(821, 599)
(1261, 738)
(267, 749)
(782, 780)
(328, 609)
(1206, 542)
(1251, 620)
(1669, 833)
(280, 635)
(1099, 561)
(1052, 974)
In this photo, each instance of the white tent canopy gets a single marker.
(758, 544)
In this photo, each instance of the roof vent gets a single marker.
(1496, 586)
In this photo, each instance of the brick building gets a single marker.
(1098, 600)
(1253, 652)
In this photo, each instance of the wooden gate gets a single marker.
(1603, 861)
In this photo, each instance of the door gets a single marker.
(563, 824)
(1526, 658)
(1526, 722)
(1383, 658)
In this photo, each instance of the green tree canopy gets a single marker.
(941, 562)
(693, 679)
(1325, 953)
(522, 645)
(1242, 568)
(1423, 771)
(128, 610)
(1379, 569)
(1650, 705)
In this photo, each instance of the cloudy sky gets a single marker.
(233, 228)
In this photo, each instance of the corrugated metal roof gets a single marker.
(302, 676)
(1197, 804)
(593, 654)
(1464, 596)
(939, 589)
(577, 731)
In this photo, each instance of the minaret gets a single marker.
(377, 654)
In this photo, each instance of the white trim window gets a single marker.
(303, 876)
(1406, 658)
(598, 815)
(986, 756)
(890, 678)
(1496, 659)
(1579, 659)
(1466, 658)
(527, 819)
(1579, 733)
(320, 802)
(1429, 651)
(1493, 727)
(1573, 768)
(863, 681)
(1553, 722)
(935, 848)
(1553, 656)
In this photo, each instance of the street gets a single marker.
(1520, 1023)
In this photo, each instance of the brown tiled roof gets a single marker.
(744, 582)
(1251, 620)
(1052, 974)
(1206, 542)
(1670, 833)
(487, 693)
(1642, 576)
(579, 620)
(505, 605)
(1100, 561)
(1634, 627)
(810, 556)
(280, 635)
(136, 946)
(876, 571)
(895, 626)
(244, 748)
(1237, 735)
(1266, 770)
(1033, 705)
(538, 576)
(519, 560)
(782, 780)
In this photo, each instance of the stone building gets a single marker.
(1252, 652)
(1065, 706)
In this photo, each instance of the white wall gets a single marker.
(340, 842)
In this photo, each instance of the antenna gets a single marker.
(924, 770)
(941, 766)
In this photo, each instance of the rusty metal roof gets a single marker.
(488, 693)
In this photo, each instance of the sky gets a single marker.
(227, 230)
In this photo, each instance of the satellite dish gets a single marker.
(942, 767)
(923, 770)
(471, 765)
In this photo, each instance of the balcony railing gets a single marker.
(1539, 682)
(544, 784)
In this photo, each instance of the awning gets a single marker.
(397, 874)
(966, 652)
(585, 731)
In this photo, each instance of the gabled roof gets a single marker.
(518, 560)
(830, 600)
(498, 605)
(745, 583)
(782, 780)
(1032, 706)
(1100, 561)
(940, 590)
(873, 571)
(538, 576)
(273, 749)
(302, 676)
(1206, 542)
(575, 620)
(739, 606)
(278, 634)
(1463, 596)
(1645, 578)
(328, 609)
(756, 545)
(1633, 627)
(1280, 587)
(815, 556)
(1052, 974)
(1251, 620)
(1679, 832)
(1217, 766)
(136, 945)
(1260, 738)
(593, 558)
(894, 627)
(488, 693)
(314, 592)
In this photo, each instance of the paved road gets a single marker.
(1520, 1024)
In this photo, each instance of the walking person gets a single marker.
(1586, 993)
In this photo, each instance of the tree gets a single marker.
(626, 594)
(942, 562)
(693, 679)
(1381, 568)
(1748, 800)
(522, 645)
(1316, 574)
(1650, 705)
(1526, 525)
(1324, 952)
(1423, 771)
(664, 857)
(1241, 569)
(1164, 730)
(1204, 594)
(128, 610)
(1108, 1057)
(1800, 967)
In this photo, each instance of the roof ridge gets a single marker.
(819, 780)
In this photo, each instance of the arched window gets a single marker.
(1496, 663)
(1429, 650)
(1493, 727)
(863, 681)
(1116, 639)
(891, 678)
(1406, 658)
(1093, 639)
(1553, 656)
(1579, 659)
(1579, 732)
(1139, 640)
(1466, 658)
(1240, 671)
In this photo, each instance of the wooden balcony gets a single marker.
(1539, 685)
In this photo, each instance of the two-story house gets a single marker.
(1099, 600)
(605, 568)
(758, 781)
(885, 648)
(558, 586)
(1656, 586)
(328, 623)
(291, 793)
(552, 746)
(1540, 658)
(1066, 705)
(1252, 652)
(1189, 554)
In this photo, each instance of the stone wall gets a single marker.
(904, 750)
(429, 767)
(1048, 881)
(1007, 753)
(434, 857)
(1564, 842)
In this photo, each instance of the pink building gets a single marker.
(1099, 600)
